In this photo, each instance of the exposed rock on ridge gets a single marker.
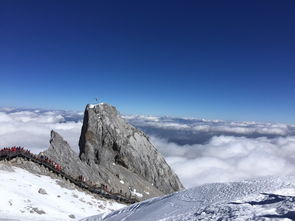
(124, 183)
(115, 154)
(111, 144)
(61, 152)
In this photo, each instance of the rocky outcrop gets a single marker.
(61, 152)
(109, 143)
(126, 183)
(115, 154)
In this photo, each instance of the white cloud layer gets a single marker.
(233, 154)
(228, 158)
(212, 126)
(31, 129)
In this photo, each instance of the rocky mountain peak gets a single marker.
(107, 141)
(116, 155)
(58, 144)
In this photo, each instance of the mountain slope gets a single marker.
(258, 199)
(28, 196)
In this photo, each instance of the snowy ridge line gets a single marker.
(260, 199)
(14, 152)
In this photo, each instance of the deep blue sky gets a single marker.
(212, 59)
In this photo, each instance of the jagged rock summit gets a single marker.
(108, 141)
(61, 152)
(115, 154)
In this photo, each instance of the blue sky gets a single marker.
(230, 60)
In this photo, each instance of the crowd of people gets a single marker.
(7, 151)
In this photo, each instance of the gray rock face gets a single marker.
(115, 154)
(120, 181)
(110, 144)
(61, 152)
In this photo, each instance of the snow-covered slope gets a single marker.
(258, 199)
(20, 198)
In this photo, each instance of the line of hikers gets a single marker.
(89, 183)
(47, 160)
(13, 150)
(41, 157)
(8, 151)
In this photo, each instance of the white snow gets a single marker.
(134, 193)
(257, 199)
(20, 199)
(93, 105)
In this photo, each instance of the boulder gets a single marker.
(42, 191)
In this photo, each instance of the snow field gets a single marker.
(21, 200)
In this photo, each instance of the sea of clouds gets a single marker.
(31, 128)
(200, 151)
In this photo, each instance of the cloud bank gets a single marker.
(200, 151)
(31, 128)
(205, 151)
(200, 131)
(228, 158)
